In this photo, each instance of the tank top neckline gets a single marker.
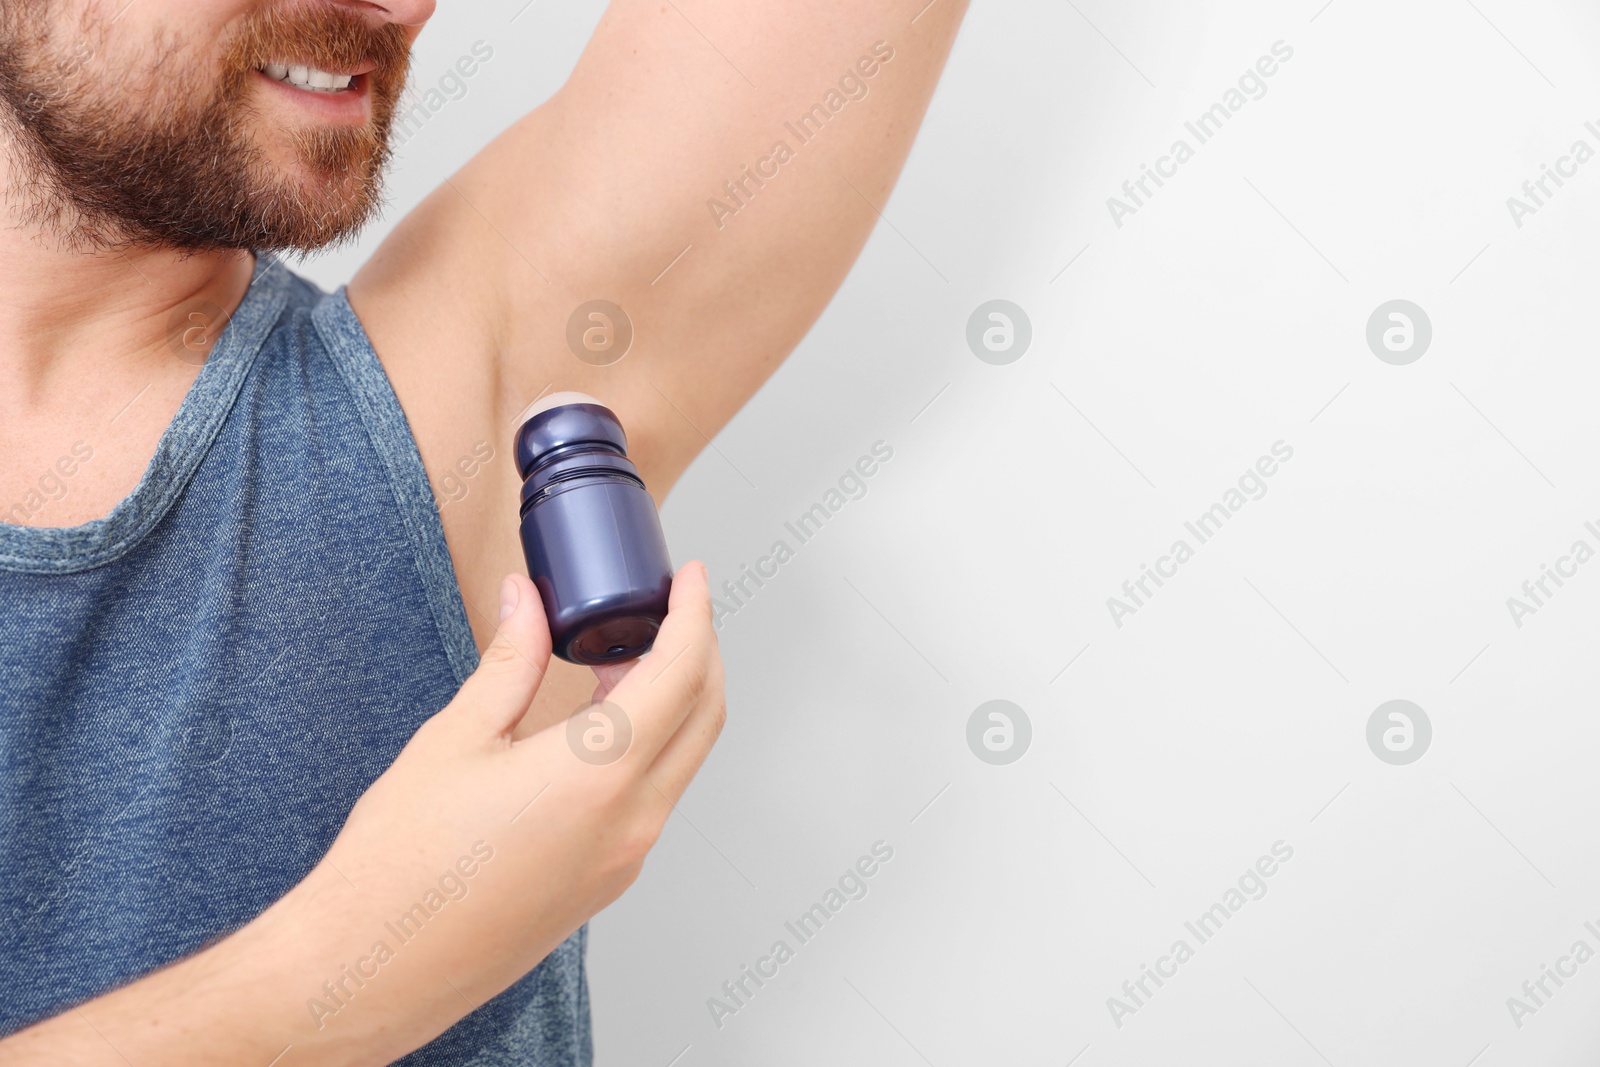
(67, 549)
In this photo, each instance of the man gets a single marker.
(238, 827)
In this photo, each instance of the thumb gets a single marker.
(512, 668)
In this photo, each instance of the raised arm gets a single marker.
(713, 167)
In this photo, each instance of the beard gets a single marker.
(108, 159)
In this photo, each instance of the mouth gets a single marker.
(312, 79)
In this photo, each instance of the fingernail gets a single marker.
(705, 575)
(508, 597)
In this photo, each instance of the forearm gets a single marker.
(437, 895)
(250, 996)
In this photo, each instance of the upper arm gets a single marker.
(615, 189)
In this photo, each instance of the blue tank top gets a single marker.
(195, 689)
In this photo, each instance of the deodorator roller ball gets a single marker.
(590, 532)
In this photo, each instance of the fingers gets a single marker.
(509, 673)
(608, 675)
(680, 759)
(660, 691)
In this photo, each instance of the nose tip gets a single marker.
(412, 13)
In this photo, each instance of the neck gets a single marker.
(69, 318)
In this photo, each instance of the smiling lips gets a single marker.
(308, 78)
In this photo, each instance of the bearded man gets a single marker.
(283, 770)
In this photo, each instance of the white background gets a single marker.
(1230, 712)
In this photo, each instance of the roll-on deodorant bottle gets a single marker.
(590, 532)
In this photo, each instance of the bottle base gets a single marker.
(612, 641)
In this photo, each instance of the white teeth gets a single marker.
(309, 78)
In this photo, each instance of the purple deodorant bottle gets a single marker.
(590, 532)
